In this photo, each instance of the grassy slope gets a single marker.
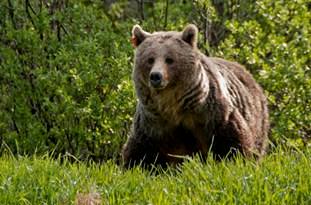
(283, 177)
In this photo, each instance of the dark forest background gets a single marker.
(65, 67)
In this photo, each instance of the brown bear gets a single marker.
(189, 103)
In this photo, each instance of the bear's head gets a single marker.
(165, 61)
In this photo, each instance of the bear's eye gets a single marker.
(150, 61)
(169, 60)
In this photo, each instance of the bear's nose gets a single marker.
(155, 79)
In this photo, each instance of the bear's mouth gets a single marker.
(160, 86)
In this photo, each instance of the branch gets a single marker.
(11, 13)
(166, 13)
(15, 127)
(153, 16)
(64, 29)
(141, 8)
(27, 6)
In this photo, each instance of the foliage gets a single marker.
(281, 178)
(65, 66)
(65, 80)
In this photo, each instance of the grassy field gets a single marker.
(282, 177)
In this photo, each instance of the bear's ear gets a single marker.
(190, 35)
(138, 35)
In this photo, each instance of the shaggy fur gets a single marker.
(201, 104)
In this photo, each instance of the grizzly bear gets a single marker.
(189, 103)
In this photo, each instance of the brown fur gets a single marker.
(202, 104)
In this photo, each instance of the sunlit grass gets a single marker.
(282, 177)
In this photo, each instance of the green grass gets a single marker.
(282, 177)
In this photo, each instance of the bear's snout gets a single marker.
(155, 79)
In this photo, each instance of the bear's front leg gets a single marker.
(138, 151)
(141, 149)
(234, 136)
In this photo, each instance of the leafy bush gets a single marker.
(65, 80)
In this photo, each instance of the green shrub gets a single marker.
(65, 81)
